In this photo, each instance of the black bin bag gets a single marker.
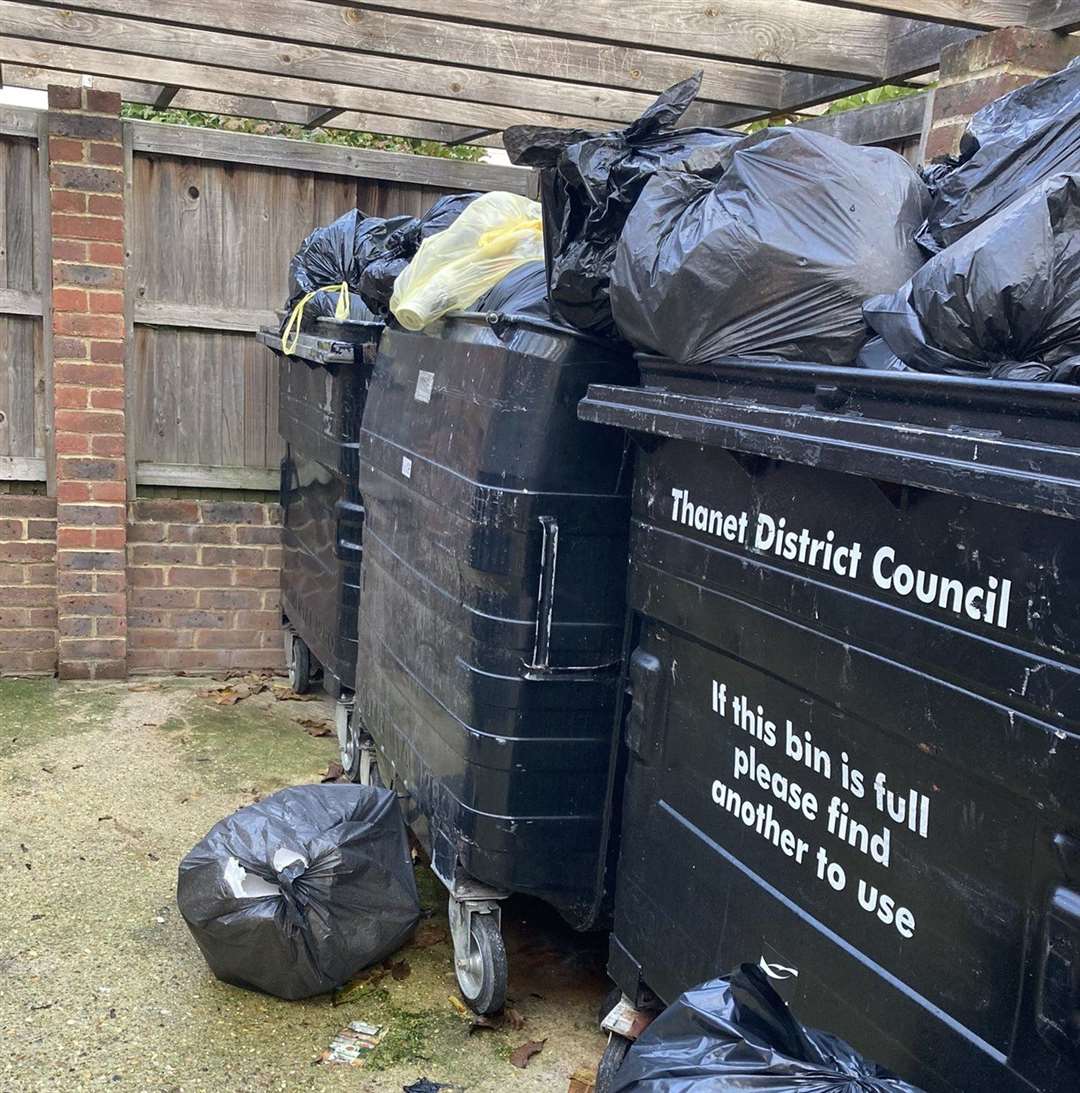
(737, 1034)
(399, 247)
(1009, 146)
(767, 250)
(1000, 303)
(297, 893)
(523, 292)
(588, 185)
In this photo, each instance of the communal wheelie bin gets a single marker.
(492, 608)
(323, 387)
(853, 736)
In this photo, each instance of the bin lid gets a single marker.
(1015, 444)
(332, 341)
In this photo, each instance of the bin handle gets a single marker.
(549, 560)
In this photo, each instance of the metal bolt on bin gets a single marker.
(853, 724)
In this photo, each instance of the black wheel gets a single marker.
(611, 1061)
(300, 667)
(481, 972)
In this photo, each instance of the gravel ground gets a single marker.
(104, 788)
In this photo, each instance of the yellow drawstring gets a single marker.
(292, 327)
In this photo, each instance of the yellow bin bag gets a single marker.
(497, 233)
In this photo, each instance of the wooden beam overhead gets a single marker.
(148, 38)
(165, 96)
(99, 62)
(318, 116)
(879, 123)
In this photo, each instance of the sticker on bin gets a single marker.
(406, 466)
(425, 381)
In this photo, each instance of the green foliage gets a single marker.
(885, 93)
(348, 137)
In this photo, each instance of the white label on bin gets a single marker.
(425, 381)
(406, 466)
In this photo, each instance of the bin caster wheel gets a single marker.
(356, 746)
(611, 1061)
(300, 667)
(479, 958)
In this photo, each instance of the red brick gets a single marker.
(89, 375)
(110, 583)
(72, 584)
(75, 348)
(203, 660)
(110, 649)
(221, 555)
(66, 150)
(75, 538)
(144, 532)
(13, 618)
(91, 605)
(62, 97)
(141, 638)
(162, 554)
(106, 154)
(43, 617)
(89, 326)
(107, 303)
(162, 597)
(257, 578)
(72, 492)
(75, 626)
(12, 528)
(89, 228)
(72, 444)
(233, 512)
(226, 639)
(102, 516)
(41, 529)
(90, 561)
(102, 102)
(268, 535)
(107, 491)
(110, 538)
(67, 250)
(41, 574)
(27, 552)
(200, 620)
(230, 599)
(143, 577)
(112, 446)
(27, 506)
(30, 596)
(85, 127)
(11, 574)
(107, 352)
(199, 533)
(943, 140)
(166, 510)
(106, 254)
(89, 421)
(106, 205)
(89, 470)
(115, 627)
(961, 100)
(69, 299)
(148, 619)
(67, 201)
(1035, 50)
(75, 669)
(260, 620)
(67, 396)
(28, 640)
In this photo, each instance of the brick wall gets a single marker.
(86, 187)
(27, 585)
(203, 586)
(975, 72)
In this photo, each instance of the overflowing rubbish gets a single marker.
(452, 269)
(522, 293)
(353, 1044)
(1002, 301)
(1009, 147)
(297, 893)
(589, 183)
(767, 249)
(324, 274)
(737, 1033)
(397, 251)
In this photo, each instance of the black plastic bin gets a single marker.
(492, 611)
(853, 745)
(323, 388)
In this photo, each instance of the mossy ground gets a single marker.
(104, 788)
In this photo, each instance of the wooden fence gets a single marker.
(211, 220)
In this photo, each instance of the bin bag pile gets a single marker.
(737, 1034)
(1009, 147)
(331, 256)
(452, 269)
(1002, 302)
(296, 894)
(767, 249)
(397, 250)
(521, 293)
(588, 185)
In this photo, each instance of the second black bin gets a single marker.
(491, 614)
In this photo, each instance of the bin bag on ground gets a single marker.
(1011, 145)
(523, 293)
(589, 183)
(876, 356)
(737, 1034)
(497, 233)
(397, 251)
(297, 893)
(1000, 303)
(767, 250)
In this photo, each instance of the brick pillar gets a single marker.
(86, 188)
(982, 69)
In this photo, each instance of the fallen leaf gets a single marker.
(316, 728)
(520, 1056)
(284, 693)
(428, 934)
(515, 1020)
(333, 772)
(479, 1022)
(140, 687)
(458, 1005)
(400, 970)
(153, 857)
